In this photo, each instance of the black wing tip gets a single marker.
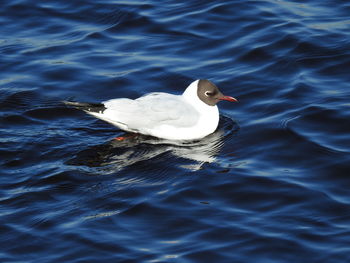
(89, 107)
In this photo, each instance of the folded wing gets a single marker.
(149, 112)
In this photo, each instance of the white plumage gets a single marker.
(163, 115)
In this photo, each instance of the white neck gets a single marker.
(208, 115)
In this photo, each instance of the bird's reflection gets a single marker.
(115, 155)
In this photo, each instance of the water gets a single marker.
(270, 185)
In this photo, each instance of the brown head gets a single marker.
(210, 94)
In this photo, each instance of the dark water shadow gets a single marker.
(115, 155)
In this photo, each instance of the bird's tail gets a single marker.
(88, 107)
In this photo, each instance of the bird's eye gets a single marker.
(208, 93)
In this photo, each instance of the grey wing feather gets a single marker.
(150, 111)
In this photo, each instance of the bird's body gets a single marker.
(163, 115)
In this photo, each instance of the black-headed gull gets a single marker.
(190, 116)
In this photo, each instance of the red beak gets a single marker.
(228, 98)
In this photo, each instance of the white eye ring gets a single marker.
(207, 93)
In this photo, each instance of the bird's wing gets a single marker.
(150, 111)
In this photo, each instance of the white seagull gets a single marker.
(190, 116)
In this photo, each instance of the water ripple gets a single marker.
(271, 184)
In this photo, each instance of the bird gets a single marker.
(186, 117)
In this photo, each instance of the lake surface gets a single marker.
(272, 184)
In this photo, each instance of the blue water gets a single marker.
(272, 184)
